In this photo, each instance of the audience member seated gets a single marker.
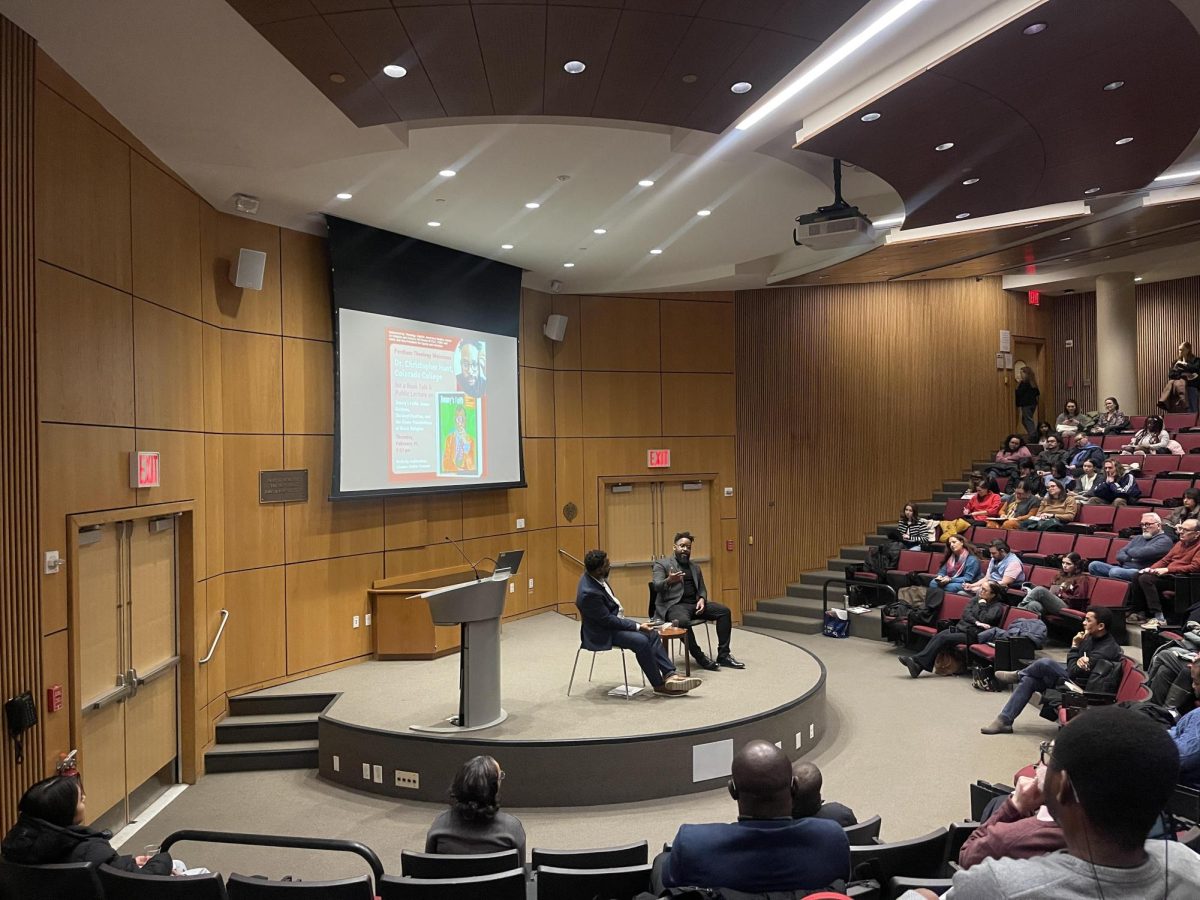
(914, 531)
(1071, 420)
(1062, 475)
(1084, 450)
(1178, 394)
(960, 565)
(983, 504)
(1044, 430)
(1089, 477)
(1004, 568)
(474, 822)
(1091, 644)
(765, 849)
(1111, 421)
(1004, 465)
(1170, 678)
(1188, 509)
(807, 802)
(1186, 735)
(1027, 472)
(50, 829)
(985, 612)
(1152, 438)
(1117, 486)
(1022, 503)
(1182, 559)
(1018, 826)
(1057, 509)
(1108, 778)
(1069, 588)
(1052, 452)
(1152, 544)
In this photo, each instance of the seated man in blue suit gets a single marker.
(765, 849)
(602, 627)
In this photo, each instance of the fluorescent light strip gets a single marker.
(1178, 176)
(1049, 213)
(893, 15)
(1172, 195)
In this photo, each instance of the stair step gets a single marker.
(261, 756)
(857, 552)
(930, 508)
(800, 607)
(781, 623)
(956, 487)
(876, 540)
(943, 496)
(272, 727)
(260, 704)
(820, 576)
(840, 564)
(796, 589)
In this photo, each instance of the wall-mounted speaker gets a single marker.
(555, 327)
(555, 286)
(247, 270)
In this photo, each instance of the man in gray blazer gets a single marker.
(681, 598)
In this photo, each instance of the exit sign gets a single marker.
(143, 469)
(658, 459)
(1035, 298)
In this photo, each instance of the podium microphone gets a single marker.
(464, 556)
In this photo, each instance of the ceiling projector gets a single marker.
(836, 226)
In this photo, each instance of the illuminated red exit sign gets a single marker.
(143, 469)
(1035, 298)
(658, 459)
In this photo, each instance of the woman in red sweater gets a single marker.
(984, 504)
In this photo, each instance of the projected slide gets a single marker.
(425, 405)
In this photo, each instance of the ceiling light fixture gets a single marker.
(1114, 85)
(963, 216)
(344, 196)
(645, 182)
(337, 77)
(1178, 176)
(741, 87)
(893, 15)
(506, 246)
(447, 173)
(395, 71)
(970, 181)
(599, 231)
(656, 252)
(704, 212)
(532, 205)
(690, 78)
(434, 224)
(1092, 190)
(1137, 278)
(1121, 142)
(573, 67)
(871, 117)
(1035, 28)
(1062, 239)
(947, 145)
(568, 265)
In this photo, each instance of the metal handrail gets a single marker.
(570, 557)
(217, 639)
(873, 585)
(276, 840)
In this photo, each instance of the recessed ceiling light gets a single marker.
(740, 87)
(656, 252)
(447, 173)
(1137, 278)
(568, 265)
(1114, 85)
(871, 117)
(646, 182)
(1092, 190)
(704, 212)
(1125, 140)
(944, 146)
(434, 224)
(337, 77)
(532, 205)
(963, 216)
(395, 71)
(690, 78)
(1035, 28)
(599, 231)
(506, 246)
(574, 67)
(1061, 239)
(1066, 259)
(344, 196)
(971, 181)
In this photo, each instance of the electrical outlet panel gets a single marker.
(377, 774)
(520, 523)
(357, 621)
(410, 780)
(366, 771)
(367, 621)
(337, 763)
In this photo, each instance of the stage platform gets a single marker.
(589, 748)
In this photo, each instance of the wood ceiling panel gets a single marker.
(375, 38)
(642, 47)
(513, 41)
(444, 38)
(312, 47)
(707, 51)
(576, 33)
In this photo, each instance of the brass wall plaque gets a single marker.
(283, 486)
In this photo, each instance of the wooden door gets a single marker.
(684, 506)
(629, 538)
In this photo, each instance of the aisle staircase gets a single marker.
(801, 609)
(268, 731)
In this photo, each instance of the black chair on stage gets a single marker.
(501, 886)
(603, 858)
(76, 880)
(119, 885)
(619, 883)
(457, 865)
(864, 833)
(240, 887)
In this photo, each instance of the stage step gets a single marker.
(943, 496)
(840, 564)
(928, 508)
(268, 727)
(268, 731)
(260, 704)
(857, 552)
(781, 622)
(800, 607)
(958, 488)
(261, 756)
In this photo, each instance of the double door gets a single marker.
(127, 665)
(639, 522)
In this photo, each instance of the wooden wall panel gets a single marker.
(214, 413)
(420, 559)
(619, 334)
(307, 387)
(1071, 318)
(566, 353)
(251, 383)
(574, 542)
(541, 568)
(697, 403)
(568, 477)
(537, 402)
(214, 503)
(1168, 314)
(85, 328)
(82, 191)
(215, 602)
(21, 646)
(696, 337)
(304, 281)
(56, 669)
(323, 597)
(535, 348)
(621, 404)
(253, 531)
(181, 478)
(221, 236)
(568, 404)
(539, 474)
(168, 368)
(256, 637)
(491, 512)
(320, 529)
(421, 519)
(166, 239)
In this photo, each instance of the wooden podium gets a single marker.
(404, 626)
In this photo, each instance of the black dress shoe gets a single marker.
(704, 662)
(729, 662)
(914, 667)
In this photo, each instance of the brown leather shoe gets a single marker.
(687, 683)
(670, 689)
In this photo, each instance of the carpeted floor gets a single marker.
(902, 748)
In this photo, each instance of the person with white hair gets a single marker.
(1152, 544)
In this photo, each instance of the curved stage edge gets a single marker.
(576, 771)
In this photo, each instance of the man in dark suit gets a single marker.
(681, 598)
(602, 627)
(765, 849)
(807, 799)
